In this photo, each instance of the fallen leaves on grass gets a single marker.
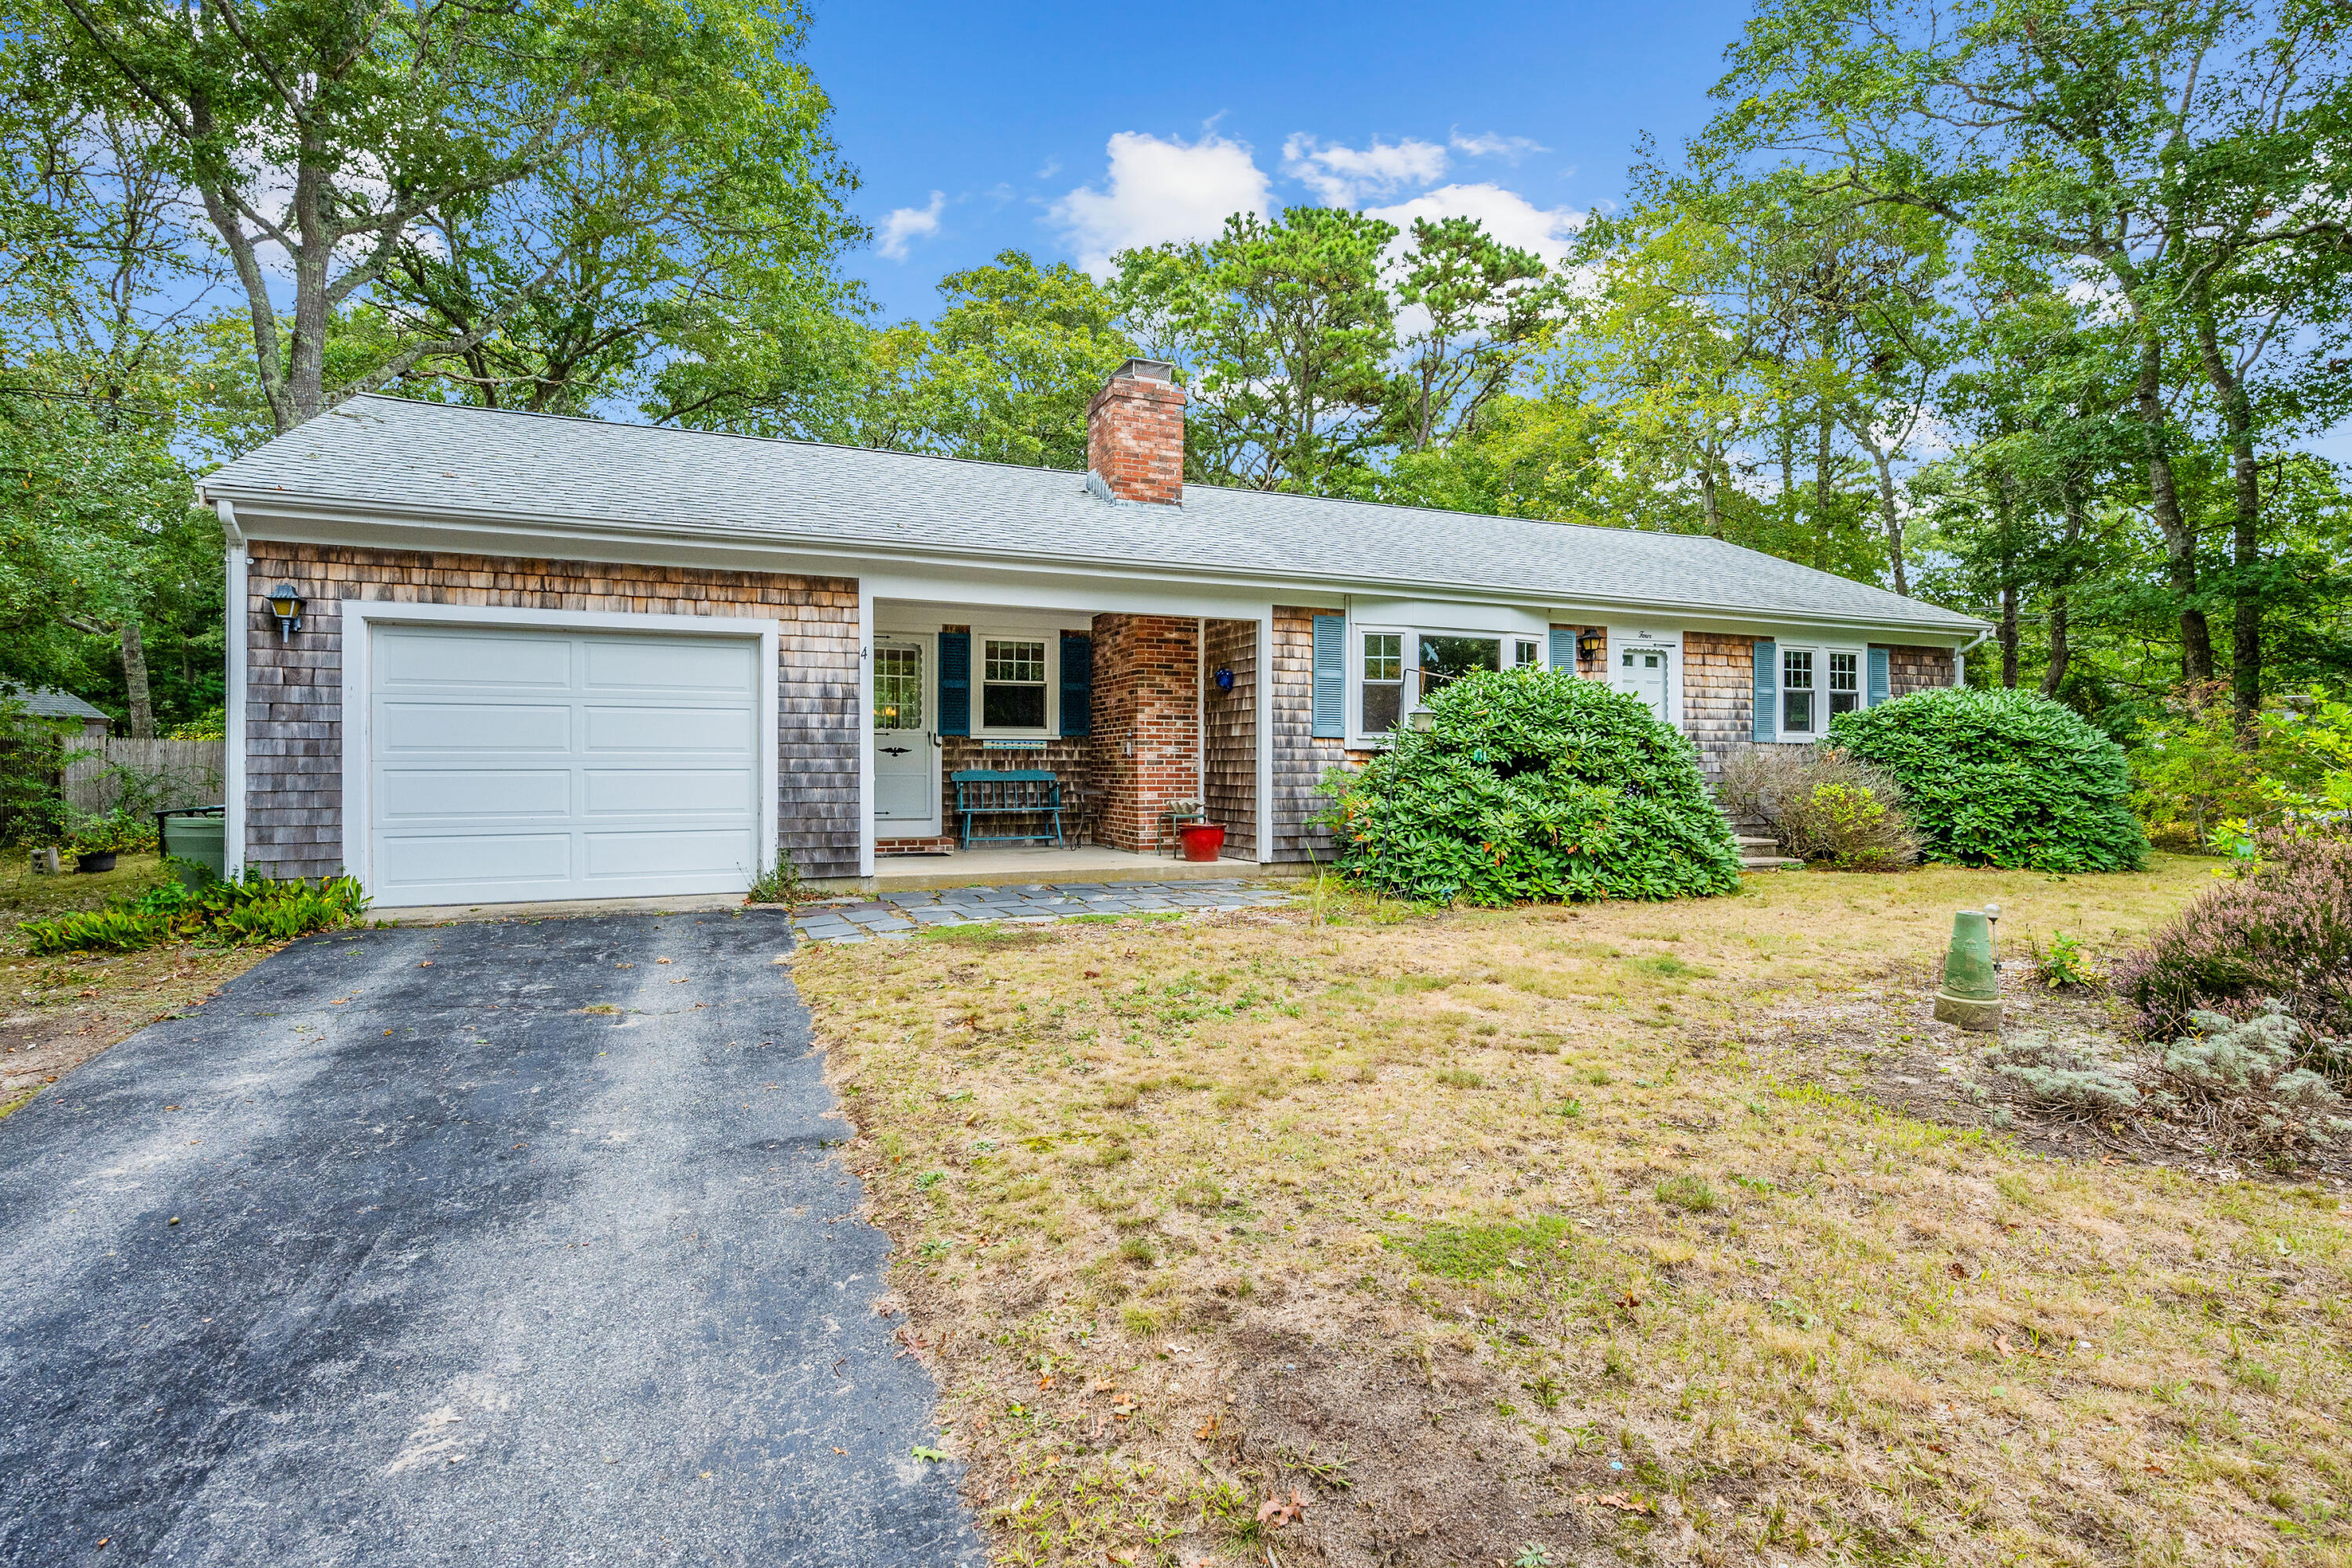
(1279, 1510)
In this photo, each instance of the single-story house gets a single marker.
(514, 657)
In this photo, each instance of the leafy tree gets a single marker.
(1016, 356)
(491, 166)
(95, 335)
(1284, 332)
(2150, 151)
(1479, 310)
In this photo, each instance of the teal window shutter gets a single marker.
(1563, 648)
(1881, 687)
(1330, 677)
(1078, 684)
(1767, 726)
(955, 683)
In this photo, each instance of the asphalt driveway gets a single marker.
(509, 1244)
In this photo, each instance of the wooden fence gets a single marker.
(147, 775)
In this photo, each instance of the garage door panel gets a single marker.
(514, 766)
(611, 731)
(715, 668)
(477, 659)
(407, 794)
(665, 792)
(426, 726)
(718, 854)
(419, 861)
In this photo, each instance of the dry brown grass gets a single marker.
(55, 1013)
(1550, 1235)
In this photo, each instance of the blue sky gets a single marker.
(1069, 129)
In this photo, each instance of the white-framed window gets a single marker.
(1398, 669)
(1846, 680)
(1817, 683)
(898, 687)
(1800, 709)
(1015, 694)
(1381, 703)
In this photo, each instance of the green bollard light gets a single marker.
(1970, 996)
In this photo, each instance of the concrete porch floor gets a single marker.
(1024, 864)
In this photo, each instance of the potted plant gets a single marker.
(95, 841)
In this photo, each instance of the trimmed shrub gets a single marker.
(2281, 928)
(1533, 784)
(1820, 805)
(225, 914)
(2003, 778)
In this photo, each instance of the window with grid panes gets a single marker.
(1013, 684)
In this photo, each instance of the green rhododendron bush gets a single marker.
(2003, 778)
(1533, 784)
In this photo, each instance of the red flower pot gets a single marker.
(1201, 841)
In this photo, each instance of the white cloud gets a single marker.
(1342, 176)
(907, 225)
(1509, 216)
(1510, 149)
(1156, 191)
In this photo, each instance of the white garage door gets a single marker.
(509, 765)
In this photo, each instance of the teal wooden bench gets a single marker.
(1028, 792)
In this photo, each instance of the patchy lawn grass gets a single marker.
(1544, 1235)
(56, 1013)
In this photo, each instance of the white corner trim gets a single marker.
(1263, 737)
(360, 614)
(236, 629)
(865, 730)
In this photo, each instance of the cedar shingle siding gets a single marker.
(1300, 759)
(1230, 733)
(294, 695)
(1718, 693)
(1910, 670)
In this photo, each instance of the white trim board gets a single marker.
(360, 615)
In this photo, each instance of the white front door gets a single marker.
(515, 764)
(905, 764)
(1648, 674)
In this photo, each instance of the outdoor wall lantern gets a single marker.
(1589, 643)
(286, 605)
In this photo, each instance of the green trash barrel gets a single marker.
(200, 839)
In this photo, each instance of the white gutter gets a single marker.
(1961, 656)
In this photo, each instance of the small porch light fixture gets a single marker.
(1589, 643)
(286, 605)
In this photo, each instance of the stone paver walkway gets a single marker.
(904, 914)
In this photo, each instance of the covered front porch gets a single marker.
(1026, 744)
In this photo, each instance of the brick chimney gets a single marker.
(1135, 436)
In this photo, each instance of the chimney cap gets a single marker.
(1145, 370)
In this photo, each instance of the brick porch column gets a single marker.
(1147, 734)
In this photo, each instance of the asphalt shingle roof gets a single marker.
(439, 458)
(49, 702)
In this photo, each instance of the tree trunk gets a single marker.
(134, 680)
(2061, 652)
(2005, 514)
(2246, 510)
(1888, 514)
(1710, 507)
(2164, 501)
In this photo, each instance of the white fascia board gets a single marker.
(718, 546)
